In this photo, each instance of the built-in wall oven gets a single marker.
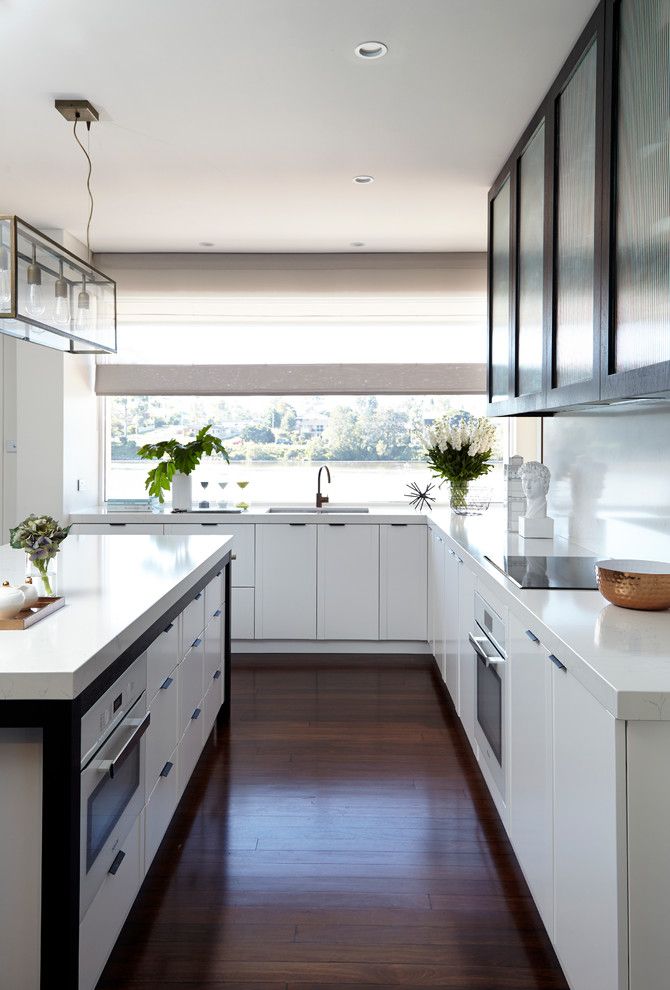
(112, 776)
(488, 643)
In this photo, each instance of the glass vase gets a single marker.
(458, 496)
(44, 574)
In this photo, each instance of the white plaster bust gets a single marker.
(535, 478)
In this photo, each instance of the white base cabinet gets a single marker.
(286, 581)
(437, 553)
(450, 602)
(348, 582)
(403, 582)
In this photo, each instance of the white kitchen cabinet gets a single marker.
(118, 529)
(436, 585)
(213, 645)
(242, 573)
(348, 582)
(104, 919)
(589, 821)
(192, 622)
(163, 732)
(191, 682)
(531, 764)
(160, 808)
(243, 608)
(286, 581)
(190, 747)
(214, 595)
(162, 657)
(403, 558)
(466, 660)
(451, 672)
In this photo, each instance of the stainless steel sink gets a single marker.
(323, 511)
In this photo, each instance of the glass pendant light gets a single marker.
(5, 280)
(36, 303)
(62, 293)
(83, 318)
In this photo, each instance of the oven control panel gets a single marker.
(105, 713)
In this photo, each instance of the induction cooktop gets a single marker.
(562, 573)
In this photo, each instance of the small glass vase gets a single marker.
(44, 574)
(458, 496)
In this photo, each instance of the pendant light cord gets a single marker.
(88, 184)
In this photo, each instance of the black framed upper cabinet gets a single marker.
(573, 335)
(518, 299)
(636, 229)
(500, 293)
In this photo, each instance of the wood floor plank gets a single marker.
(337, 835)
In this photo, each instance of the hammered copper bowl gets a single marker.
(641, 584)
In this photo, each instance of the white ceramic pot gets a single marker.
(30, 592)
(12, 600)
(182, 492)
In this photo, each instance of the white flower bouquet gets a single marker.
(458, 449)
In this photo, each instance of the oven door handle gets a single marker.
(141, 726)
(475, 643)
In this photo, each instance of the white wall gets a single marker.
(50, 409)
(610, 485)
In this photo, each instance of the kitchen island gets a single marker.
(105, 706)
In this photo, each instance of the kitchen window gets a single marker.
(276, 443)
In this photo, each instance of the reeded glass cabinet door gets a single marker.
(530, 266)
(500, 288)
(575, 313)
(640, 314)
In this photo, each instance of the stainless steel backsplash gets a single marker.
(610, 486)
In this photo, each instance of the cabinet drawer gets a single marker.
(162, 658)
(191, 673)
(190, 748)
(211, 705)
(213, 646)
(118, 529)
(243, 545)
(160, 808)
(162, 735)
(403, 554)
(104, 919)
(214, 595)
(192, 622)
(242, 617)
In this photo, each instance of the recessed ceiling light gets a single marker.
(363, 180)
(371, 49)
(206, 244)
(358, 244)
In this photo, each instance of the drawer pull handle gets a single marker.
(556, 662)
(118, 524)
(198, 597)
(337, 524)
(196, 714)
(297, 524)
(217, 613)
(168, 628)
(452, 553)
(219, 573)
(399, 524)
(166, 769)
(116, 862)
(166, 683)
(216, 675)
(209, 524)
(532, 637)
(196, 643)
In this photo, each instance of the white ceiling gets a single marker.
(243, 123)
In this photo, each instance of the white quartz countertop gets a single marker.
(389, 513)
(620, 655)
(114, 591)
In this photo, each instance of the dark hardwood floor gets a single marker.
(337, 835)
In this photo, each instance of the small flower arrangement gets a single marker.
(458, 449)
(40, 537)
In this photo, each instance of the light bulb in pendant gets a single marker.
(36, 303)
(61, 291)
(84, 315)
(5, 281)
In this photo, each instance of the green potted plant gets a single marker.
(176, 463)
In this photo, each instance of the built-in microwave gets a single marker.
(490, 659)
(112, 776)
